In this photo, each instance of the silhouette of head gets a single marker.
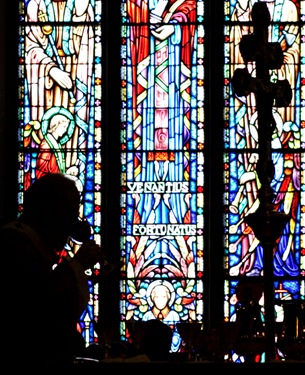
(51, 206)
(156, 340)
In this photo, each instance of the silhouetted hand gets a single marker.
(89, 254)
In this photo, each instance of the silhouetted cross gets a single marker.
(266, 223)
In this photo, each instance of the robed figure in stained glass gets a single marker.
(60, 100)
(59, 81)
(161, 208)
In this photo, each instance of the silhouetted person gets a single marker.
(156, 340)
(44, 295)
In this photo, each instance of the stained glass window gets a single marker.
(169, 147)
(244, 252)
(60, 108)
(162, 163)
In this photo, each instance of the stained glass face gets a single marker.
(162, 163)
(245, 172)
(60, 107)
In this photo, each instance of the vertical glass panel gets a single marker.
(60, 108)
(162, 163)
(244, 253)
